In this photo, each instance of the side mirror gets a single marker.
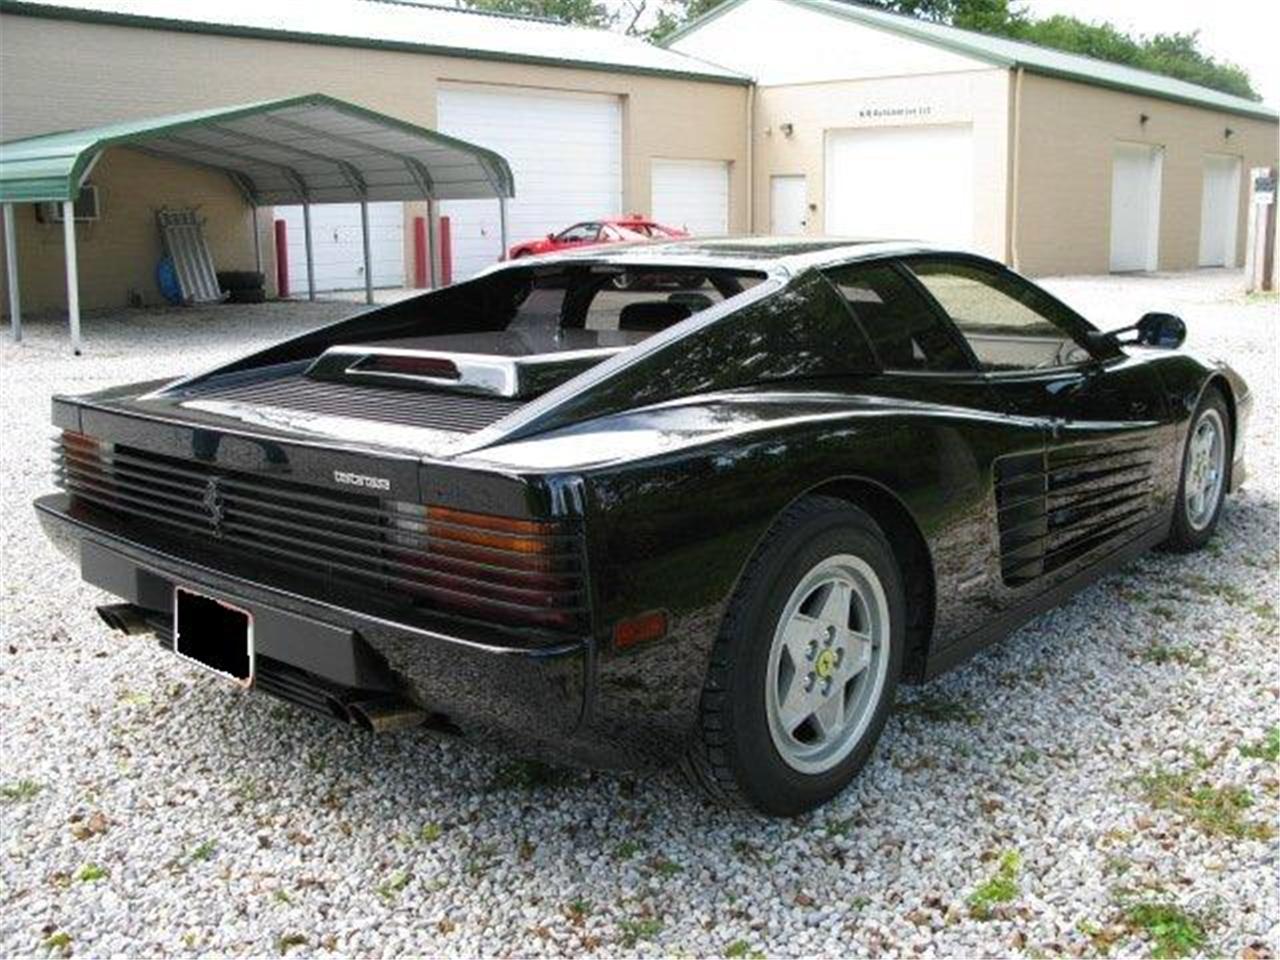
(1161, 330)
(551, 236)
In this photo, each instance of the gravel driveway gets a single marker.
(1104, 781)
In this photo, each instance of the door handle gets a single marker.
(1055, 426)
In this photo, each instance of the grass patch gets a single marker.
(664, 867)
(626, 850)
(531, 775)
(1172, 931)
(204, 851)
(934, 709)
(58, 942)
(740, 948)
(1161, 653)
(91, 872)
(19, 791)
(391, 887)
(1205, 587)
(1268, 748)
(1217, 811)
(1002, 887)
(633, 931)
(430, 832)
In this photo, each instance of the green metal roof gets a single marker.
(311, 148)
(413, 27)
(1004, 52)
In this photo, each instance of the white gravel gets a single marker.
(224, 823)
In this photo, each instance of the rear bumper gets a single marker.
(309, 649)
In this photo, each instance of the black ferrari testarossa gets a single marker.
(698, 502)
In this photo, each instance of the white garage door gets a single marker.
(565, 151)
(901, 183)
(1135, 206)
(337, 247)
(1219, 211)
(692, 195)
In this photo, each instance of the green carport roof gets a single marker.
(310, 148)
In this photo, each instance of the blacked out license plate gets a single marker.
(213, 633)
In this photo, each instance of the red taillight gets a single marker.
(505, 568)
(642, 629)
(487, 530)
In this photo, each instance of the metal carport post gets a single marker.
(298, 150)
(11, 272)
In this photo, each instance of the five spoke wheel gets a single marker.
(1206, 463)
(827, 663)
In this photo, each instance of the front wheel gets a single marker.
(804, 672)
(1202, 485)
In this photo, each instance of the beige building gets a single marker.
(782, 116)
(874, 124)
(592, 123)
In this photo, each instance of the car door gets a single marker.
(1103, 478)
(955, 432)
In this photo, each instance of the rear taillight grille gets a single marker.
(499, 570)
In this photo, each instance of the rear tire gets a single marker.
(1206, 467)
(803, 674)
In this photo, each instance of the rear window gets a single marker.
(637, 302)
(647, 303)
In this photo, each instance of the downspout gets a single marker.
(750, 162)
(1016, 164)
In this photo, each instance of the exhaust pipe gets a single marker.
(126, 618)
(386, 714)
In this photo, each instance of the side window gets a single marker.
(580, 233)
(1009, 324)
(903, 327)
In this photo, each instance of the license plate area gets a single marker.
(215, 634)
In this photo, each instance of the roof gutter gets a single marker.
(112, 18)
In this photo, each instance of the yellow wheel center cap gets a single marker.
(826, 664)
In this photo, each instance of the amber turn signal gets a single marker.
(642, 629)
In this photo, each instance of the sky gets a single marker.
(1246, 32)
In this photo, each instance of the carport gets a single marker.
(300, 150)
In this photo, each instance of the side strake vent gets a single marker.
(410, 408)
(1054, 508)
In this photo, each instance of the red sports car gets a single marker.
(590, 232)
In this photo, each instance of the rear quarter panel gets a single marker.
(679, 496)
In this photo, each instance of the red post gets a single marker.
(446, 252)
(420, 252)
(282, 259)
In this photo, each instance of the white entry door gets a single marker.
(565, 151)
(1135, 207)
(788, 206)
(337, 247)
(1219, 211)
(901, 183)
(692, 195)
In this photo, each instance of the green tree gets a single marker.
(585, 12)
(1175, 55)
